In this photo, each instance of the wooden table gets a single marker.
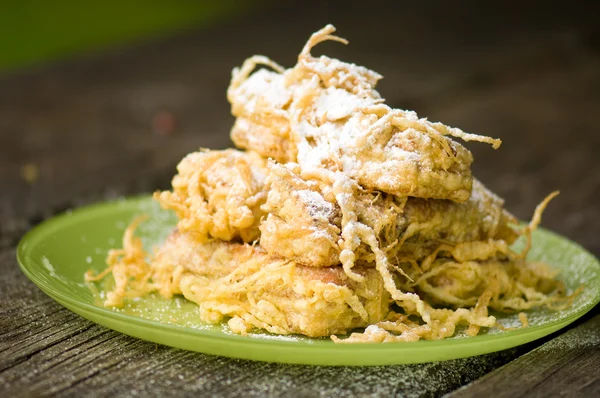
(528, 75)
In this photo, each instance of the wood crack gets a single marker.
(17, 358)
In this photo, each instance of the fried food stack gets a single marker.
(339, 212)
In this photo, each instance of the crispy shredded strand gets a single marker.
(366, 159)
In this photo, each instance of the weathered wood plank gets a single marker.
(547, 146)
(530, 76)
(565, 366)
(47, 350)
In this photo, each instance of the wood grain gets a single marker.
(47, 350)
(529, 76)
(565, 366)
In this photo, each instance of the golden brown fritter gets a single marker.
(324, 113)
(432, 223)
(268, 130)
(301, 224)
(362, 210)
(481, 217)
(241, 282)
(218, 194)
(249, 133)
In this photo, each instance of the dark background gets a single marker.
(103, 101)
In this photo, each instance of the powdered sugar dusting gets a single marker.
(337, 121)
(319, 208)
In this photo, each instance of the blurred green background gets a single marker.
(37, 31)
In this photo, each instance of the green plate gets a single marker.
(56, 254)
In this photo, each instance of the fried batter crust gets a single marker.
(304, 226)
(325, 113)
(254, 290)
(301, 224)
(360, 206)
(218, 194)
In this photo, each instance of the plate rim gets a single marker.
(91, 211)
